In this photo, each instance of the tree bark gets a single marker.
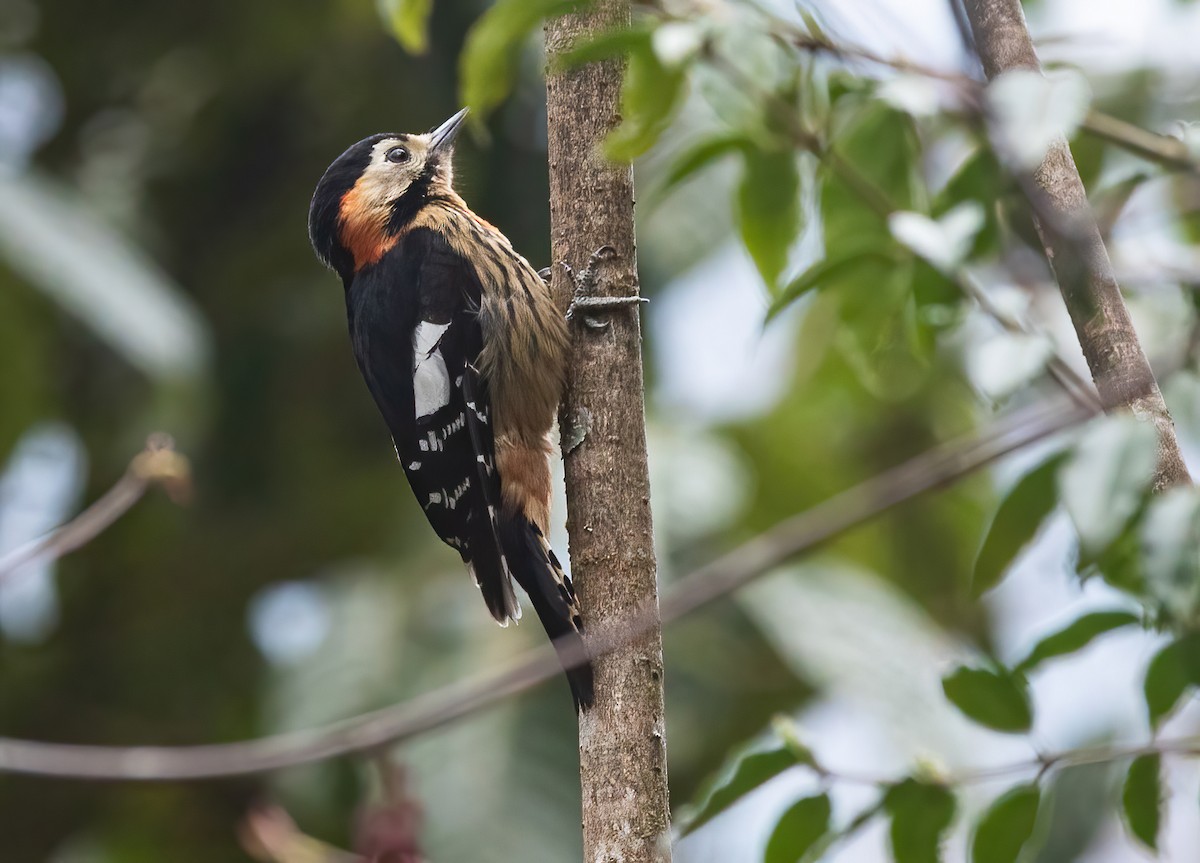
(1077, 254)
(622, 742)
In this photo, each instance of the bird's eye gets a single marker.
(397, 155)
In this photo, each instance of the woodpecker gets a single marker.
(464, 352)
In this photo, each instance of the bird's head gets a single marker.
(374, 188)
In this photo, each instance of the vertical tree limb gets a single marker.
(622, 746)
(1077, 254)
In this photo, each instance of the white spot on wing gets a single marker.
(431, 380)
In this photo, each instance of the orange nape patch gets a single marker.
(361, 220)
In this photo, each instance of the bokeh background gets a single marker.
(156, 162)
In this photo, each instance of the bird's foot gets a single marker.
(584, 305)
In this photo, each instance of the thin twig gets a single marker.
(158, 463)
(931, 470)
(1165, 150)
(1040, 764)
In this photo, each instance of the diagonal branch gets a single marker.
(1077, 254)
(936, 468)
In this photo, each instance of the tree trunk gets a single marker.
(622, 744)
(1077, 254)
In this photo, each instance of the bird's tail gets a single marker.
(537, 570)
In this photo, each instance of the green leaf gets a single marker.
(979, 178)
(488, 64)
(1075, 636)
(921, 812)
(788, 732)
(881, 145)
(998, 700)
(827, 270)
(1175, 668)
(650, 95)
(1103, 482)
(409, 20)
(1006, 826)
(603, 46)
(799, 830)
(1017, 520)
(769, 209)
(1141, 799)
(743, 772)
(1170, 535)
(877, 332)
(699, 157)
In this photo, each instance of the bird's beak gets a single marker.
(442, 138)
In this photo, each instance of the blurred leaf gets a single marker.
(1006, 826)
(409, 20)
(911, 93)
(1032, 110)
(1016, 523)
(878, 331)
(1103, 482)
(920, 812)
(769, 210)
(1075, 636)
(979, 179)
(1120, 564)
(789, 733)
(700, 156)
(650, 95)
(487, 65)
(1141, 799)
(1005, 362)
(998, 700)
(824, 270)
(1173, 669)
(1170, 535)
(50, 237)
(944, 242)
(604, 45)
(881, 146)
(743, 772)
(799, 830)
(675, 43)
(1077, 806)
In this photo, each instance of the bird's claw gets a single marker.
(584, 306)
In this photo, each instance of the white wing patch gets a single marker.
(431, 380)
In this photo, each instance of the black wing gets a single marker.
(416, 335)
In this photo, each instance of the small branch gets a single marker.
(931, 470)
(1039, 765)
(1163, 149)
(157, 464)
